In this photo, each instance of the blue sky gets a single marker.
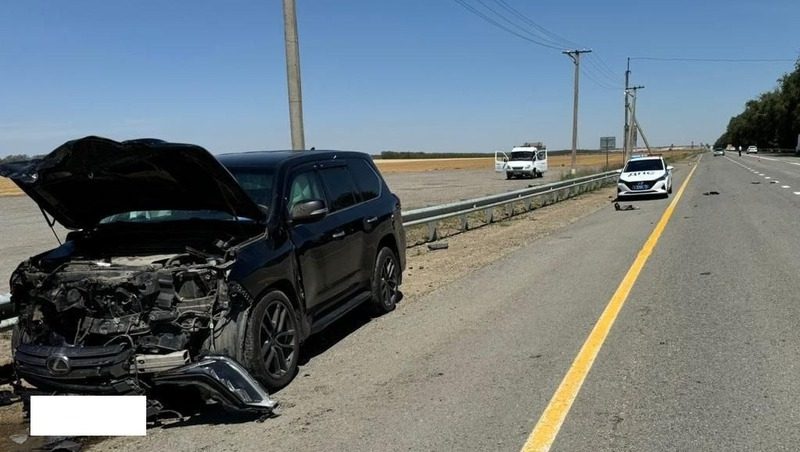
(378, 75)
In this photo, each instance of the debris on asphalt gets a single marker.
(19, 438)
(705, 273)
(438, 246)
(773, 182)
(8, 398)
(61, 444)
(710, 193)
(755, 182)
(617, 206)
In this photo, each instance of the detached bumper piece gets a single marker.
(222, 379)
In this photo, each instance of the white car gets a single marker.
(645, 176)
(752, 150)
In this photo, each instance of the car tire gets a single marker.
(385, 282)
(670, 189)
(272, 343)
(508, 176)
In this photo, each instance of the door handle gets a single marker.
(338, 235)
(371, 220)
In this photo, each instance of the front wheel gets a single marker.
(272, 343)
(385, 282)
(508, 176)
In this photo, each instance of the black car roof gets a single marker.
(275, 158)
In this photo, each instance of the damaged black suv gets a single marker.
(186, 271)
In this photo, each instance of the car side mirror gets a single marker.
(670, 168)
(308, 211)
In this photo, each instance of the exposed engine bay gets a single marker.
(138, 324)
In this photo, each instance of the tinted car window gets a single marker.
(339, 184)
(367, 182)
(305, 187)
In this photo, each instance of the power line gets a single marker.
(716, 60)
(514, 24)
(600, 83)
(605, 74)
(478, 13)
(553, 37)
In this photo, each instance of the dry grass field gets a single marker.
(556, 162)
(8, 188)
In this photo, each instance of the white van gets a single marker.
(524, 161)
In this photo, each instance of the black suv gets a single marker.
(192, 272)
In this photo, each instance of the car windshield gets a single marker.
(256, 182)
(644, 165)
(522, 155)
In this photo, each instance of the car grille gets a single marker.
(643, 185)
(68, 368)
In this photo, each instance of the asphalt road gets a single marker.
(701, 356)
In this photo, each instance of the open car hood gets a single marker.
(86, 180)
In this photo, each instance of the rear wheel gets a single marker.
(385, 281)
(272, 343)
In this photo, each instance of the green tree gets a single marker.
(771, 120)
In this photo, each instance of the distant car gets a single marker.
(719, 151)
(645, 176)
(752, 150)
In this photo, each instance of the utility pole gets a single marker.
(627, 108)
(575, 55)
(293, 75)
(633, 122)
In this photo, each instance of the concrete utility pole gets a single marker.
(627, 109)
(293, 75)
(575, 55)
(633, 122)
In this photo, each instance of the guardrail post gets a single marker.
(464, 223)
(488, 215)
(433, 233)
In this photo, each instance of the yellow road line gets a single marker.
(543, 435)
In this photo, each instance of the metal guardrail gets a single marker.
(6, 313)
(431, 216)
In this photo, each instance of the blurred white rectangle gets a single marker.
(88, 415)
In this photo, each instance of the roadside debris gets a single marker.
(755, 182)
(710, 193)
(61, 444)
(773, 182)
(19, 438)
(438, 246)
(8, 398)
(617, 206)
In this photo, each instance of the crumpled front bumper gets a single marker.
(107, 370)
